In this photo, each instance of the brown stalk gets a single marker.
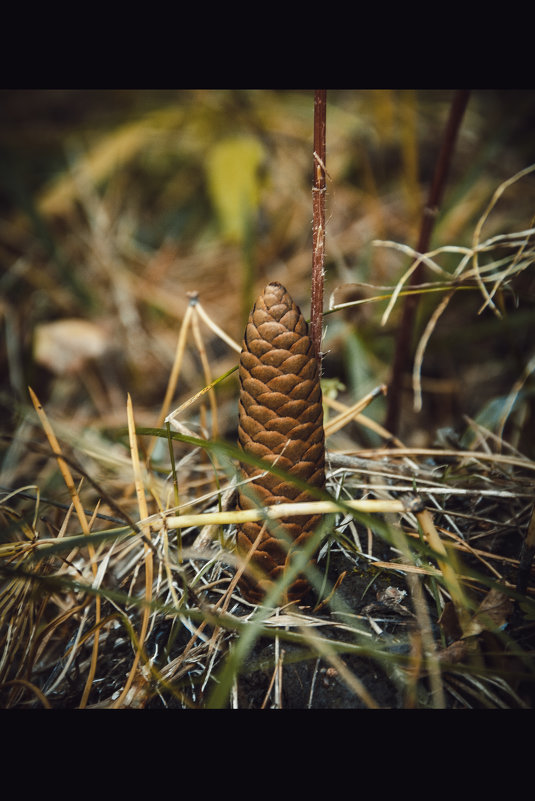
(318, 219)
(406, 326)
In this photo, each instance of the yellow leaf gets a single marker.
(234, 183)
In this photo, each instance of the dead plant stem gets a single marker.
(318, 219)
(406, 327)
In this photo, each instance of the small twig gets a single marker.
(318, 219)
(406, 326)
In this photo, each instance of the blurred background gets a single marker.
(115, 204)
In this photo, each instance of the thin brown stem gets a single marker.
(318, 219)
(406, 327)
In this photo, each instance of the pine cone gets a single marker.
(280, 421)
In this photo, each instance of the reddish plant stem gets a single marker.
(406, 327)
(318, 219)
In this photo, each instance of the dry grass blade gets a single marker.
(440, 453)
(353, 413)
(193, 312)
(420, 258)
(477, 234)
(175, 371)
(66, 473)
(171, 417)
(449, 572)
(420, 350)
(62, 464)
(143, 513)
(28, 684)
(215, 328)
(207, 373)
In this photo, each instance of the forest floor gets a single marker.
(136, 229)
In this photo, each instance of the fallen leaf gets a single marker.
(65, 345)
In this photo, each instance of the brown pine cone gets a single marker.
(280, 421)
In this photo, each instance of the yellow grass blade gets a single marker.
(143, 512)
(67, 477)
